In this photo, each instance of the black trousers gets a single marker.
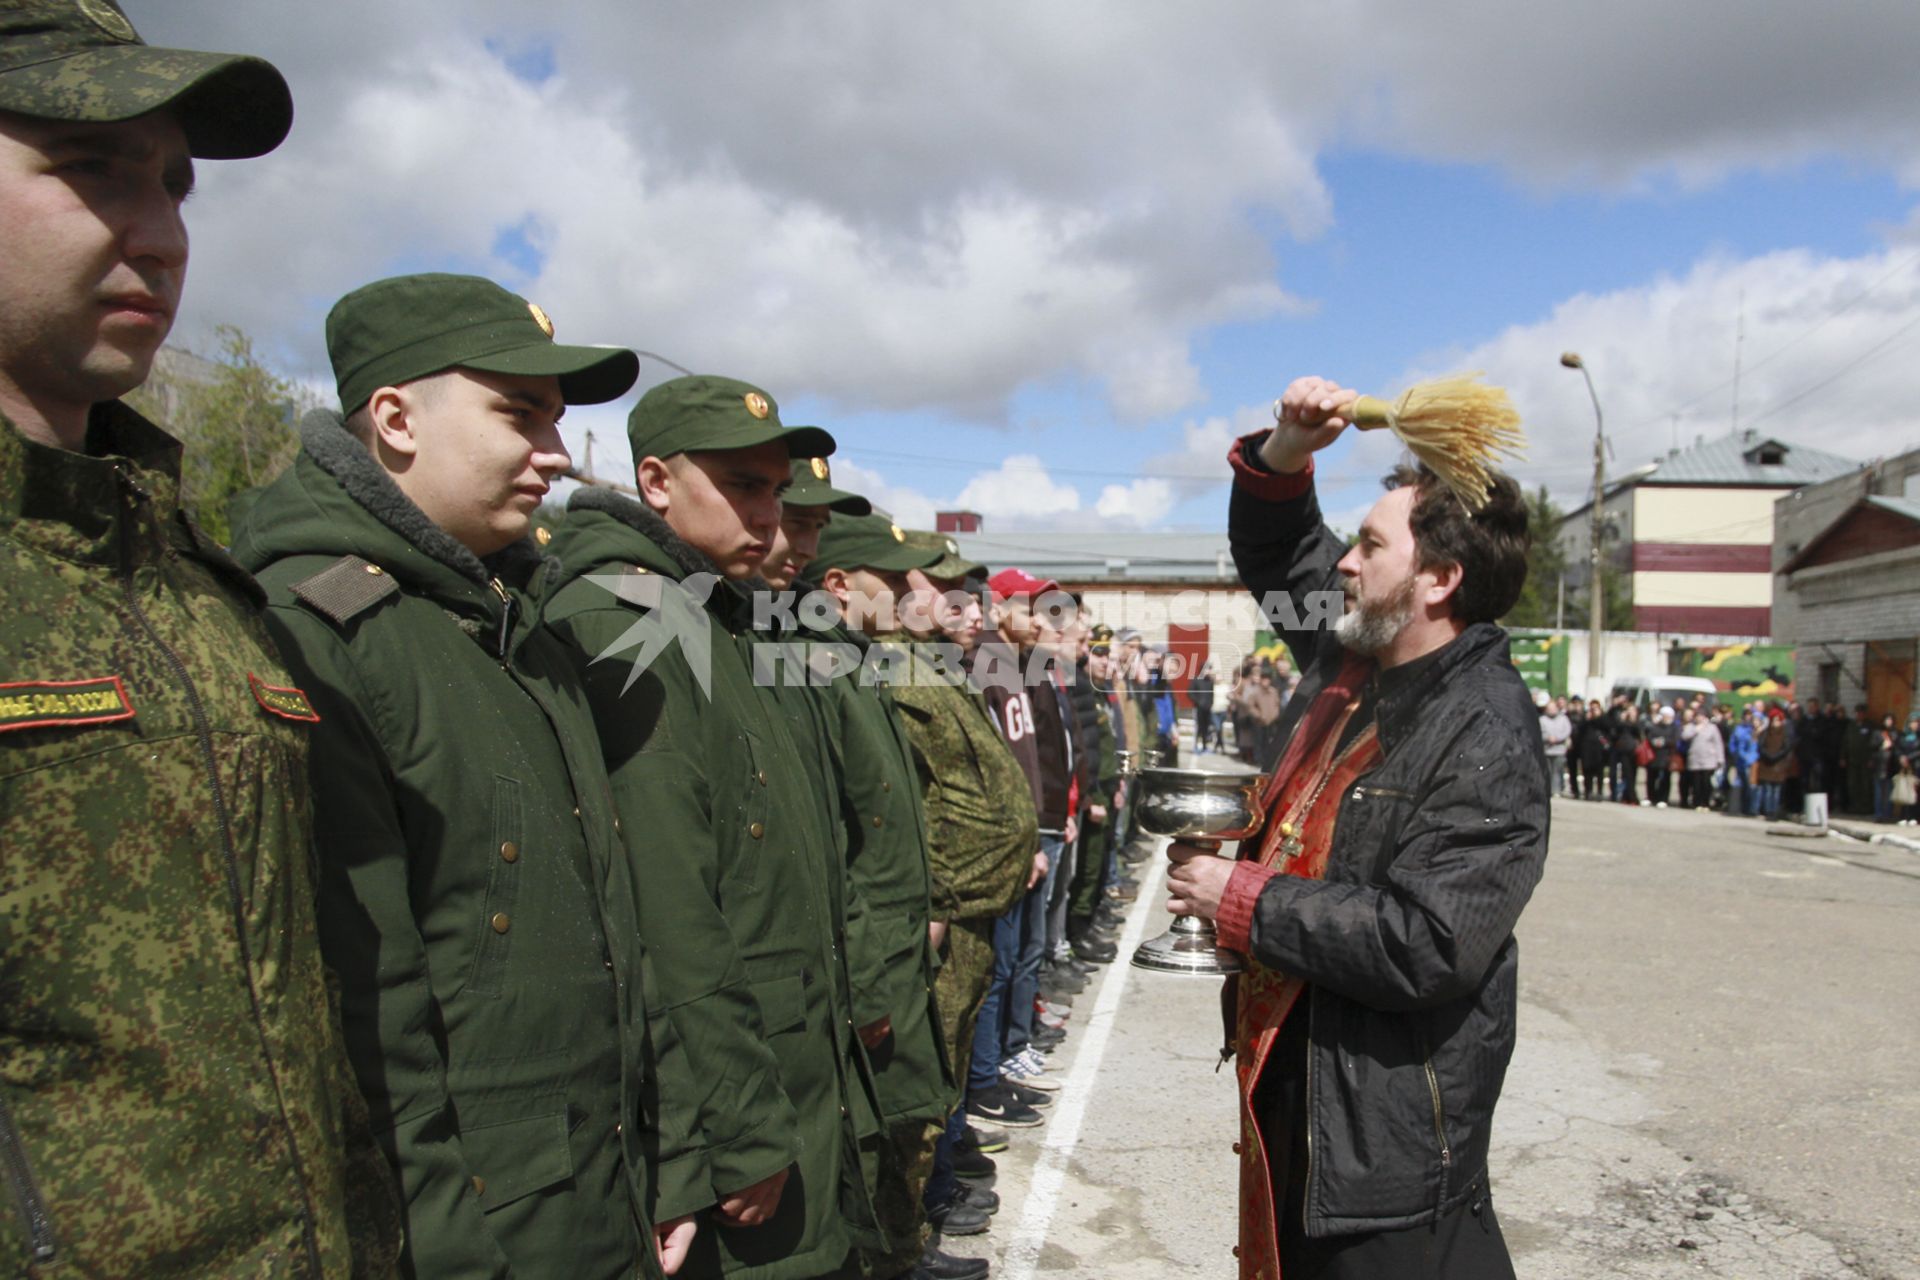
(1465, 1244)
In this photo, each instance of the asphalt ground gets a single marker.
(1718, 1075)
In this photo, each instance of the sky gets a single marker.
(1044, 262)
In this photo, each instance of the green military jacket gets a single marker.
(890, 962)
(174, 1099)
(982, 829)
(741, 881)
(475, 895)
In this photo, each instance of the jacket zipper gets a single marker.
(1439, 1125)
(136, 498)
(1306, 1192)
(506, 619)
(13, 1153)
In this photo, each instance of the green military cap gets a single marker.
(704, 412)
(950, 564)
(81, 60)
(406, 327)
(813, 487)
(868, 542)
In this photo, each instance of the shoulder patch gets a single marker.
(345, 589)
(282, 700)
(37, 704)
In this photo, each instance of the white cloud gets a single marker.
(908, 507)
(1662, 360)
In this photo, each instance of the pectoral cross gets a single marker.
(1290, 845)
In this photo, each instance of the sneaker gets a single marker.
(997, 1106)
(1046, 1039)
(958, 1218)
(1028, 1071)
(986, 1141)
(935, 1265)
(1029, 1097)
(1062, 1011)
(974, 1166)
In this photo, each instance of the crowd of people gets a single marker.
(695, 884)
(1761, 760)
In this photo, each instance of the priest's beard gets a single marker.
(1373, 624)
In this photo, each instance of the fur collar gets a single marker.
(324, 436)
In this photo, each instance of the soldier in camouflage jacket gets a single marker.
(174, 1100)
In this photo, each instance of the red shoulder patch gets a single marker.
(286, 702)
(38, 704)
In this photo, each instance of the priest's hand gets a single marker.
(1198, 879)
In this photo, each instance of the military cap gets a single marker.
(868, 542)
(706, 412)
(81, 60)
(951, 564)
(813, 487)
(406, 327)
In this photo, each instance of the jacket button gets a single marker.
(886, 786)
(375, 569)
(576, 811)
(1236, 1148)
(616, 824)
(761, 777)
(479, 1185)
(510, 852)
(876, 821)
(500, 922)
(757, 830)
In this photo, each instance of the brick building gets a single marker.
(1847, 585)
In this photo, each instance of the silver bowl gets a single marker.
(1191, 804)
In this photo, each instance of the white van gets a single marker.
(1643, 691)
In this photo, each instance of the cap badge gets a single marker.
(543, 535)
(898, 534)
(953, 548)
(540, 318)
(757, 404)
(820, 471)
(109, 20)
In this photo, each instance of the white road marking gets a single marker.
(1022, 1258)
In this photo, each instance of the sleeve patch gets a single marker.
(286, 702)
(35, 704)
(345, 589)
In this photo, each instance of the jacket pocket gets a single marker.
(783, 1004)
(503, 889)
(26, 1192)
(513, 1160)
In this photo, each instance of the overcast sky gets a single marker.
(1045, 260)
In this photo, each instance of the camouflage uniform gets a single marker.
(174, 1100)
(982, 831)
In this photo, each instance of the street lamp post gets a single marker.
(1596, 601)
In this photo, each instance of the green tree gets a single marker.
(1539, 604)
(1546, 562)
(236, 418)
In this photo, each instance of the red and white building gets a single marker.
(1695, 532)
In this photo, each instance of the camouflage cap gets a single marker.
(950, 565)
(813, 487)
(703, 412)
(82, 60)
(868, 542)
(406, 327)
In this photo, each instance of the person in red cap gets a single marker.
(1027, 708)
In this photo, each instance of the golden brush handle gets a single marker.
(1370, 413)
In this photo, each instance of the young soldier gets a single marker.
(743, 881)
(982, 827)
(174, 1100)
(862, 565)
(474, 892)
